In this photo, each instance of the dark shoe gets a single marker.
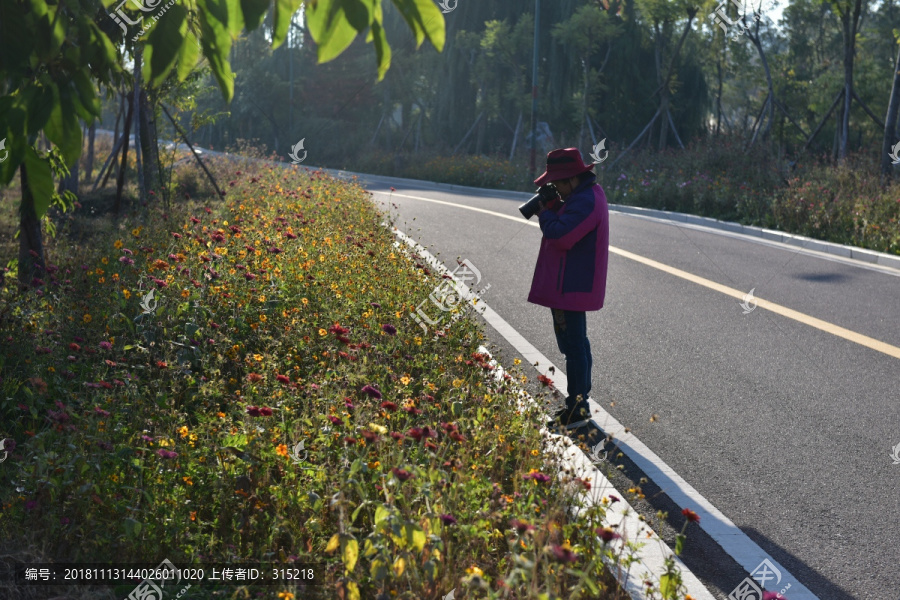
(572, 416)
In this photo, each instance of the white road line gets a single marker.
(720, 528)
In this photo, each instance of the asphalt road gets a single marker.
(785, 428)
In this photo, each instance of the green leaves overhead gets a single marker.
(334, 24)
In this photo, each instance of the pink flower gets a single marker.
(563, 555)
(166, 453)
(334, 419)
(537, 476)
(389, 329)
(448, 519)
(607, 535)
(371, 391)
(105, 345)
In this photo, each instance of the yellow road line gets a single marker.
(862, 340)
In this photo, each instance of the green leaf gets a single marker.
(668, 587)
(425, 20)
(382, 49)
(679, 543)
(349, 552)
(235, 17)
(86, 92)
(39, 104)
(334, 24)
(414, 535)
(382, 513)
(132, 528)
(40, 181)
(62, 129)
(254, 12)
(284, 12)
(216, 43)
(163, 44)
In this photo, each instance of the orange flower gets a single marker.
(281, 450)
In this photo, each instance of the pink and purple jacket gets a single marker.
(570, 273)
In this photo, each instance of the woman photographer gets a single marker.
(570, 274)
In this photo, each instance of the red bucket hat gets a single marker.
(563, 163)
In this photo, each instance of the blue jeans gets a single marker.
(570, 327)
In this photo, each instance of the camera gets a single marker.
(546, 194)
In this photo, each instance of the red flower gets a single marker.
(334, 419)
(415, 433)
(265, 411)
(402, 474)
(253, 411)
(690, 515)
(537, 476)
(545, 380)
(388, 405)
(283, 378)
(370, 436)
(563, 555)
(162, 364)
(74, 347)
(397, 435)
(448, 519)
(607, 535)
(254, 377)
(521, 526)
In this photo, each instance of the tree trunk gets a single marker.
(890, 124)
(124, 164)
(849, 26)
(89, 167)
(31, 246)
(136, 106)
(149, 144)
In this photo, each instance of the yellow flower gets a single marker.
(104, 260)
(262, 298)
(118, 244)
(114, 478)
(127, 294)
(534, 452)
(258, 357)
(187, 480)
(405, 380)
(221, 415)
(304, 301)
(285, 596)
(136, 232)
(86, 318)
(183, 431)
(473, 570)
(281, 450)
(101, 280)
(51, 369)
(517, 362)
(263, 318)
(457, 382)
(502, 438)
(322, 332)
